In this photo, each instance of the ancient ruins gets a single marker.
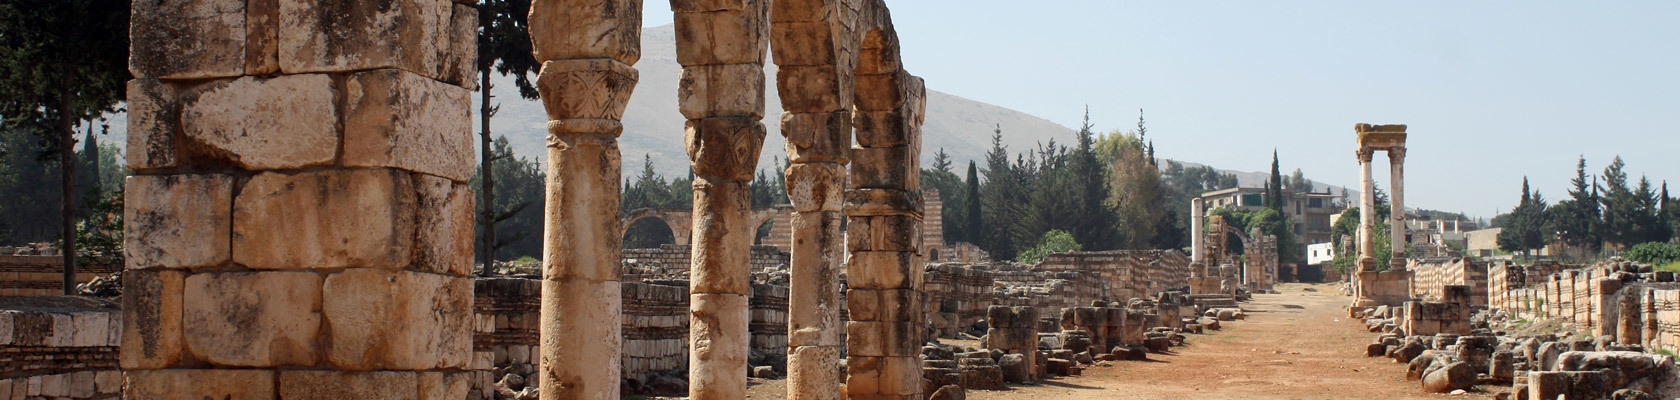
(300, 225)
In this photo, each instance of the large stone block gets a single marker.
(867, 375)
(885, 305)
(818, 186)
(815, 364)
(883, 128)
(814, 289)
(731, 90)
(221, 384)
(187, 39)
(725, 147)
(419, 36)
(586, 89)
(803, 43)
(177, 221)
(284, 122)
(151, 335)
(262, 37)
(444, 385)
(587, 327)
(818, 137)
(367, 385)
(400, 320)
(445, 210)
(326, 219)
(814, 88)
(253, 319)
(585, 29)
(884, 270)
(718, 342)
(397, 119)
(740, 36)
(885, 168)
(884, 233)
(153, 124)
(882, 339)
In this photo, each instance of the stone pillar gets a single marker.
(721, 46)
(1367, 214)
(588, 50)
(883, 207)
(300, 224)
(1397, 222)
(810, 43)
(1196, 236)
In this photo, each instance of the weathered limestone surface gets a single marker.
(325, 223)
(301, 222)
(177, 221)
(253, 319)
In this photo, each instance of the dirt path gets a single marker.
(1295, 345)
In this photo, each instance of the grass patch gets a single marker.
(1665, 352)
(1670, 267)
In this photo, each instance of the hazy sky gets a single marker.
(1492, 90)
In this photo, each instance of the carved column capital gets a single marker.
(1364, 154)
(1397, 154)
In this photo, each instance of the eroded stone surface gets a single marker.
(349, 35)
(718, 346)
(315, 220)
(205, 39)
(177, 221)
(584, 29)
(152, 124)
(253, 319)
(265, 123)
(721, 90)
(575, 342)
(384, 319)
(398, 119)
(371, 385)
(220, 384)
(151, 335)
(586, 89)
(444, 244)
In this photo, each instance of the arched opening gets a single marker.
(646, 233)
(1234, 244)
(763, 231)
(933, 255)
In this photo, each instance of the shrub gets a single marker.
(1054, 241)
(1654, 253)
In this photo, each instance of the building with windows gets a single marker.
(1310, 212)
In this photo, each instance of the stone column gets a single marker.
(1196, 235)
(588, 50)
(1367, 214)
(883, 207)
(809, 42)
(1397, 223)
(721, 46)
(299, 225)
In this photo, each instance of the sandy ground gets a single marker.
(1298, 344)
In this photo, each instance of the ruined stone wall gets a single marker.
(41, 275)
(956, 297)
(655, 325)
(59, 352)
(1431, 276)
(1049, 292)
(672, 262)
(1518, 289)
(1126, 273)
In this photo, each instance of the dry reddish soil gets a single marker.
(1298, 344)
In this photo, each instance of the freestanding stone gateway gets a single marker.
(1371, 287)
(588, 49)
(299, 225)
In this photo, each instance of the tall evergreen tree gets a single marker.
(1649, 225)
(974, 219)
(504, 45)
(1275, 191)
(1578, 223)
(1621, 207)
(1001, 191)
(63, 62)
(1092, 224)
(942, 161)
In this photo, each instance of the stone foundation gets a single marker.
(59, 348)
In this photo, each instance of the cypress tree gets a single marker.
(971, 201)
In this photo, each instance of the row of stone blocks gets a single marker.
(300, 225)
(67, 352)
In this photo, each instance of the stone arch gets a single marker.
(676, 219)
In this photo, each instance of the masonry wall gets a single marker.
(1126, 273)
(957, 296)
(1431, 276)
(671, 262)
(42, 275)
(49, 350)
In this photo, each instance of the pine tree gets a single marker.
(1621, 208)
(975, 220)
(1092, 221)
(504, 45)
(1275, 189)
(1001, 190)
(942, 161)
(1578, 224)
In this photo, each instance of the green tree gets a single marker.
(1093, 221)
(1274, 189)
(504, 45)
(973, 218)
(1135, 191)
(1001, 191)
(1054, 241)
(517, 213)
(951, 196)
(1648, 222)
(62, 62)
(1621, 208)
(942, 161)
(1579, 218)
(1529, 225)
